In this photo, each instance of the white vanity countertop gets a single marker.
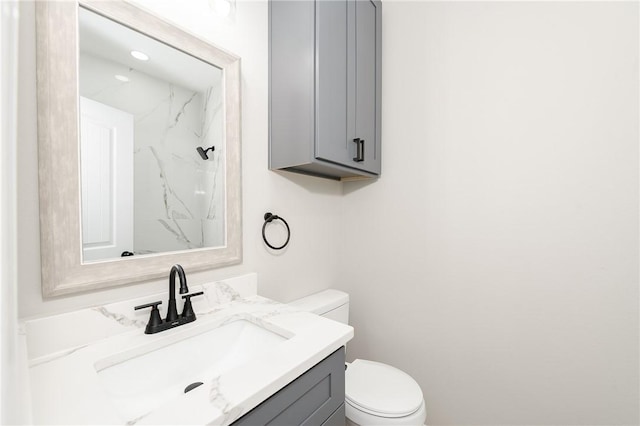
(62, 352)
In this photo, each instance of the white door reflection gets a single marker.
(106, 136)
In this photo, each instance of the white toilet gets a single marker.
(375, 393)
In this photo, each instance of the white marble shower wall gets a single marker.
(178, 196)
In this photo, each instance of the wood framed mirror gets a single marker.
(203, 224)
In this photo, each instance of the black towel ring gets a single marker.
(268, 218)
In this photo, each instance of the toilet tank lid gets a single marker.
(322, 302)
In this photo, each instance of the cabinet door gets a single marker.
(331, 82)
(368, 19)
(348, 34)
(314, 398)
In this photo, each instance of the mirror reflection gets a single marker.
(152, 144)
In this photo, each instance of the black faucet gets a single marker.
(172, 311)
(156, 324)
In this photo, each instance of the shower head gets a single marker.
(203, 152)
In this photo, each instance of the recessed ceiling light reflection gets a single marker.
(139, 55)
(121, 78)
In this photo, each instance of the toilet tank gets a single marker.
(332, 304)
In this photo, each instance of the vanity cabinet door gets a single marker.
(324, 87)
(314, 398)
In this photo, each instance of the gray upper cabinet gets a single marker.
(324, 87)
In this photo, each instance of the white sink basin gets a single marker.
(142, 379)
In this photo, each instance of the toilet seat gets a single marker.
(381, 390)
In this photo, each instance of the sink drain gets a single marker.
(192, 386)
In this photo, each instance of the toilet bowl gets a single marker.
(375, 393)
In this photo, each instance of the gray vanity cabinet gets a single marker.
(314, 398)
(324, 87)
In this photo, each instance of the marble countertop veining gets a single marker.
(63, 353)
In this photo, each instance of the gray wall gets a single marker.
(496, 260)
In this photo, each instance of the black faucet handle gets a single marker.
(153, 305)
(189, 296)
(187, 310)
(154, 318)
